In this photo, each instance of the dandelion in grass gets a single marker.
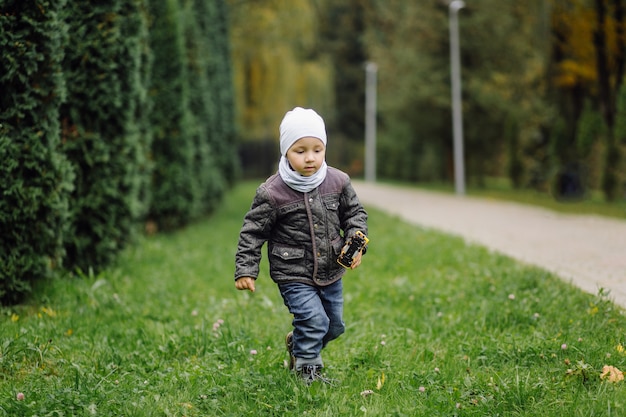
(620, 348)
(380, 382)
(48, 311)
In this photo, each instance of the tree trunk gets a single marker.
(610, 182)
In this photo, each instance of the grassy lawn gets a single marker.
(435, 327)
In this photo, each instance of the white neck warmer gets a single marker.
(299, 182)
(299, 123)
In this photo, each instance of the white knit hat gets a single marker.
(299, 123)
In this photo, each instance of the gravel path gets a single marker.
(588, 251)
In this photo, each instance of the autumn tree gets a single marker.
(278, 63)
(610, 64)
(588, 61)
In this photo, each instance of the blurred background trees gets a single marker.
(541, 87)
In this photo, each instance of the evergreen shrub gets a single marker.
(175, 190)
(112, 113)
(213, 22)
(103, 133)
(35, 177)
(211, 182)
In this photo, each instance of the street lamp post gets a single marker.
(457, 115)
(371, 70)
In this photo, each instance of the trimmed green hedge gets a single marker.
(175, 191)
(113, 115)
(35, 178)
(213, 18)
(210, 180)
(193, 120)
(103, 133)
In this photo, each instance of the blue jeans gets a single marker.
(317, 318)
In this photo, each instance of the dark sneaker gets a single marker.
(311, 373)
(289, 344)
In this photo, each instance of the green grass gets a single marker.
(435, 327)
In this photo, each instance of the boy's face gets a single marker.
(306, 155)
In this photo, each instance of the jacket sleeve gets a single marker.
(353, 215)
(255, 231)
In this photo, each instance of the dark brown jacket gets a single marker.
(305, 231)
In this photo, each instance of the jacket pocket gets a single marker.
(332, 202)
(288, 262)
(287, 253)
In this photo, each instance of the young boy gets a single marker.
(305, 212)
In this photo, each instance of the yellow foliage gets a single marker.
(276, 64)
(571, 73)
(575, 23)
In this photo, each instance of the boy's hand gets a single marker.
(245, 283)
(357, 260)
